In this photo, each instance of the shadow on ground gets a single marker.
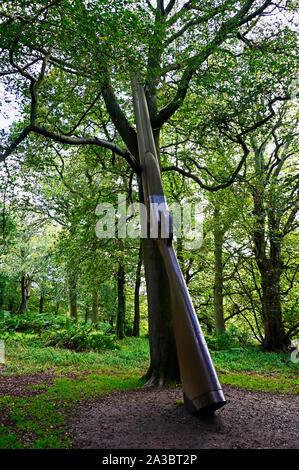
(152, 419)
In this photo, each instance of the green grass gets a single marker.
(26, 354)
(42, 418)
(279, 384)
(252, 359)
(8, 439)
(40, 421)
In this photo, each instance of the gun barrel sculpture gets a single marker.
(201, 387)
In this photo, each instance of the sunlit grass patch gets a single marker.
(25, 354)
(44, 417)
(280, 384)
(252, 359)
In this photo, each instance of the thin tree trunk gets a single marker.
(73, 309)
(179, 254)
(218, 276)
(57, 307)
(26, 283)
(95, 308)
(136, 327)
(121, 305)
(86, 314)
(41, 300)
(2, 291)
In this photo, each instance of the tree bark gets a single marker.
(163, 356)
(41, 299)
(179, 254)
(136, 326)
(95, 308)
(270, 268)
(86, 314)
(164, 366)
(2, 293)
(164, 363)
(121, 303)
(275, 337)
(73, 309)
(218, 277)
(57, 307)
(26, 283)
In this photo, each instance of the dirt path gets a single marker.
(152, 419)
(17, 385)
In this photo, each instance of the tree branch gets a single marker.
(12, 147)
(288, 225)
(205, 186)
(169, 7)
(194, 62)
(119, 119)
(117, 116)
(66, 139)
(255, 13)
(150, 5)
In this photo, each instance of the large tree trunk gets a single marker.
(136, 326)
(164, 366)
(275, 337)
(164, 363)
(73, 309)
(26, 283)
(218, 277)
(95, 308)
(41, 299)
(121, 303)
(270, 268)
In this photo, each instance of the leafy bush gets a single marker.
(81, 338)
(232, 338)
(107, 328)
(30, 322)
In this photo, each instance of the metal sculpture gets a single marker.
(201, 387)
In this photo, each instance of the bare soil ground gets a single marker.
(17, 385)
(152, 419)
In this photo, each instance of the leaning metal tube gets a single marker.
(201, 387)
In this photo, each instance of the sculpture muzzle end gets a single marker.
(205, 404)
